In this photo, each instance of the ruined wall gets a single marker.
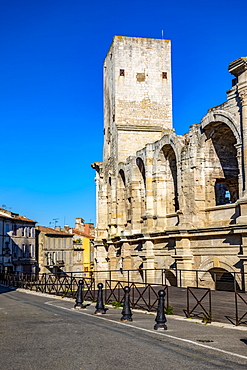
(170, 200)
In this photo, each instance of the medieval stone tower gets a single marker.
(137, 96)
(167, 201)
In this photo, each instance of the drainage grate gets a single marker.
(204, 340)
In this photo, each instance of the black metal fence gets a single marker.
(64, 285)
(144, 294)
(214, 279)
(199, 304)
(241, 308)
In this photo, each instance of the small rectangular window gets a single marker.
(14, 230)
(164, 75)
(31, 250)
(121, 72)
(7, 228)
(140, 77)
(27, 251)
(15, 250)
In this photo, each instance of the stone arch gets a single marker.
(223, 269)
(221, 160)
(171, 140)
(209, 264)
(111, 251)
(109, 201)
(223, 117)
(171, 278)
(121, 200)
(224, 280)
(141, 184)
(166, 181)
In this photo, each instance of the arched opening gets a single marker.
(142, 185)
(224, 280)
(167, 184)
(140, 165)
(121, 200)
(221, 165)
(109, 202)
(171, 278)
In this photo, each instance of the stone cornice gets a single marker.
(238, 66)
(139, 128)
(185, 233)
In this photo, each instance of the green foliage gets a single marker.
(117, 304)
(169, 310)
(78, 241)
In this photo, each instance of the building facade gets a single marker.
(63, 250)
(55, 250)
(83, 236)
(17, 243)
(167, 200)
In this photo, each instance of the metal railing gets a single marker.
(212, 279)
(143, 296)
(241, 300)
(200, 298)
(143, 293)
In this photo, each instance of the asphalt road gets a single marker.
(42, 332)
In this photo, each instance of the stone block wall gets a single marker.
(167, 200)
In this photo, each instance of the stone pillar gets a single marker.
(159, 202)
(149, 183)
(149, 274)
(242, 219)
(243, 98)
(239, 69)
(136, 208)
(241, 170)
(243, 259)
(101, 265)
(244, 281)
(113, 205)
(101, 202)
(184, 260)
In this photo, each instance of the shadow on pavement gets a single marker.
(6, 289)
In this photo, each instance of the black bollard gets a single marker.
(161, 317)
(100, 308)
(126, 312)
(79, 296)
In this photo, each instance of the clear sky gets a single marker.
(51, 95)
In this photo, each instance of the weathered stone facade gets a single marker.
(166, 200)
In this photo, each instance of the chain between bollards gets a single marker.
(100, 308)
(126, 312)
(79, 296)
(161, 317)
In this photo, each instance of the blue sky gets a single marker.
(51, 98)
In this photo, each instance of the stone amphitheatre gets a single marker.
(167, 201)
